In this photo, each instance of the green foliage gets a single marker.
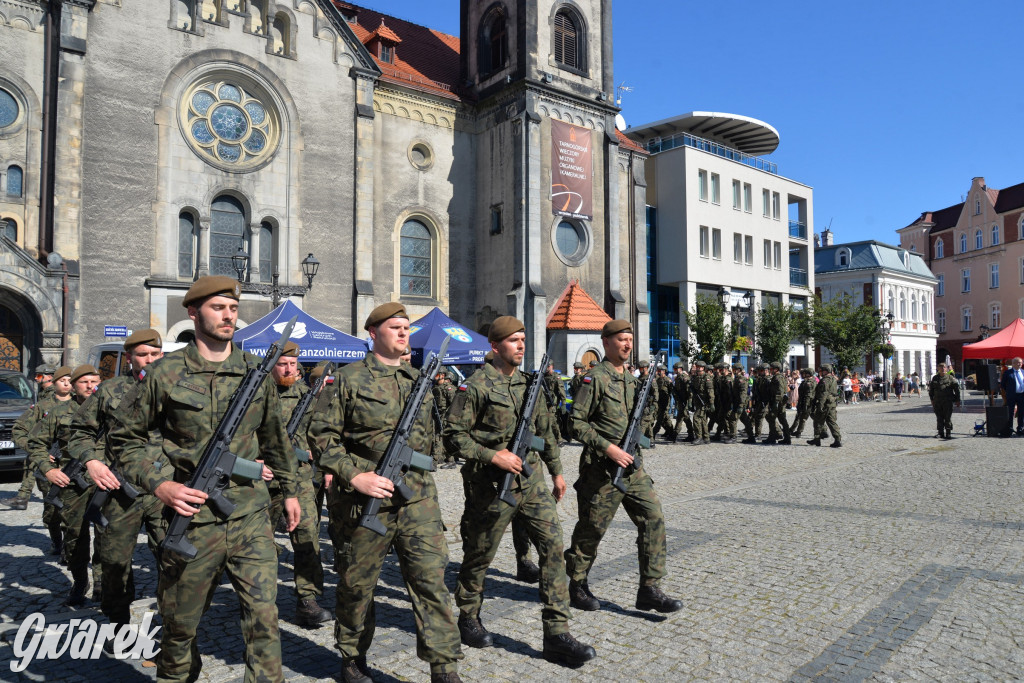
(774, 329)
(710, 340)
(884, 350)
(847, 330)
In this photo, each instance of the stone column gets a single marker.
(203, 247)
(254, 252)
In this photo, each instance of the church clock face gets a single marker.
(229, 125)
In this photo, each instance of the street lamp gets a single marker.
(274, 290)
(735, 312)
(884, 325)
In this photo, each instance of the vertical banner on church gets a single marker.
(572, 188)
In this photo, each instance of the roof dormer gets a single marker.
(382, 42)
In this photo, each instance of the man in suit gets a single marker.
(1012, 385)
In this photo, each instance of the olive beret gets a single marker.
(701, 364)
(644, 364)
(291, 349)
(776, 365)
(614, 327)
(212, 285)
(503, 327)
(62, 371)
(391, 309)
(489, 357)
(81, 371)
(577, 365)
(44, 369)
(147, 337)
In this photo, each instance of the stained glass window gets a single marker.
(416, 259)
(266, 251)
(229, 124)
(14, 181)
(227, 234)
(8, 109)
(186, 245)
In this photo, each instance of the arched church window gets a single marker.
(9, 229)
(230, 125)
(493, 41)
(417, 248)
(15, 181)
(569, 40)
(9, 109)
(186, 245)
(266, 251)
(227, 234)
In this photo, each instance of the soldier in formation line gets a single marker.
(663, 420)
(823, 409)
(702, 397)
(44, 380)
(944, 393)
(681, 392)
(778, 389)
(803, 401)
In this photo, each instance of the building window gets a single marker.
(995, 235)
(715, 189)
(1022, 271)
(913, 307)
(940, 289)
(9, 229)
(940, 321)
(227, 234)
(767, 253)
(748, 200)
(977, 207)
(748, 251)
(571, 242)
(965, 280)
(843, 258)
(15, 181)
(766, 203)
(891, 301)
(938, 248)
(736, 195)
(993, 276)
(493, 42)
(9, 109)
(569, 45)
(963, 242)
(737, 247)
(266, 251)
(778, 255)
(995, 317)
(979, 239)
(186, 245)
(387, 53)
(496, 225)
(229, 126)
(704, 241)
(416, 260)
(776, 205)
(903, 306)
(716, 244)
(965, 322)
(702, 185)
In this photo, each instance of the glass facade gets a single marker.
(662, 301)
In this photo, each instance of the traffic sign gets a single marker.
(115, 331)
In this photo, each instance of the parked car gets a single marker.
(111, 360)
(17, 394)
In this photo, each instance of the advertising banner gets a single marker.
(572, 188)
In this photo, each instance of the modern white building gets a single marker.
(894, 280)
(721, 216)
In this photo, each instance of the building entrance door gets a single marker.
(589, 356)
(11, 340)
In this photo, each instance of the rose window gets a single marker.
(229, 125)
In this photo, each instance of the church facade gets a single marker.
(145, 144)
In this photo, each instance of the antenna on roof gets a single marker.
(621, 89)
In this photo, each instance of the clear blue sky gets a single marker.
(886, 109)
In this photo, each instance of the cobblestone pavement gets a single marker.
(896, 557)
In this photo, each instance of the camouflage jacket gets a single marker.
(704, 387)
(87, 437)
(555, 393)
(289, 398)
(443, 396)
(681, 390)
(600, 414)
(738, 386)
(184, 397)
(353, 432)
(944, 389)
(825, 394)
(664, 385)
(763, 391)
(50, 428)
(316, 412)
(779, 388)
(803, 395)
(483, 417)
(23, 425)
(652, 403)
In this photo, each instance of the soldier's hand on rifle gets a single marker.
(180, 498)
(55, 476)
(267, 474)
(619, 456)
(292, 512)
(557, 487)
(508, 461)
(102, 475)
(373, 485)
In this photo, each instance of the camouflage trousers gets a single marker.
(28, 481)
(484, 521)
(700, 424)
(598, 502)
(943, 415)
(777, 418)
(799, 422)
(76, 535)
(825, 422)
(647, 424)
(438, 452)
(683, 417)
(756, 417)
(663, 423)
(520, 539)
(305, 538)
(115, 546)
(417, 534)
(722, 421)
(244, 547)
(744, 419)
(51, 515)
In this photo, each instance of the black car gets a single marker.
(17, 394)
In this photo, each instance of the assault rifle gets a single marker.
(73, 469)
(218, 464)
(523, 438)
(398, 458)
(634, 435)
(303, 405)
(94, 511)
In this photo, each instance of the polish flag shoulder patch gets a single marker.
(462, 387)
(587, 380)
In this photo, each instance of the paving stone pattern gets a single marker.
(897, 557)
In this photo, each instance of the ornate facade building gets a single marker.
(145, 144)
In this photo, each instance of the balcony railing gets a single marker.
(797, 277)
(680, 139)
(797, 229)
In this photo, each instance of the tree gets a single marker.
(774, 329)
(849, 331)
(707, 327)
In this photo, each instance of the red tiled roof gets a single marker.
(575, 310)
(426, 60)
(628, 142)
(1010, 198)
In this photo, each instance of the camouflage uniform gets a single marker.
(352, 435)
(823, 410)
(443, 394)
(554, 392)
(320, 406)
(760, 397)
(681, 392)
(703, 392)
(651, 410)
(115, 545)
(803, 403)
(778, 390)
(481, 422)
(663, 421)
(723, 400)
(19, 433)
(600, 417)
(944, 391)
(184, 397)
(51, 427)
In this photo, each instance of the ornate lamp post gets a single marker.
(884, 325)
(735, 313)
(310, 266)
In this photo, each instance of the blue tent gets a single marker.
(428, 333)
(317, 341)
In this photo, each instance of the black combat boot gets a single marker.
(770, 441)
(56, 541)
(76, 598)
(309, 614)
(352, 672)
(750, 440)
(564, 649)
(836, 444)
(814, 442)
(473, 633)
(527, 571)
(653, 598)
(581, 598)
(786, 440)
(16, 503)
(449, 677)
